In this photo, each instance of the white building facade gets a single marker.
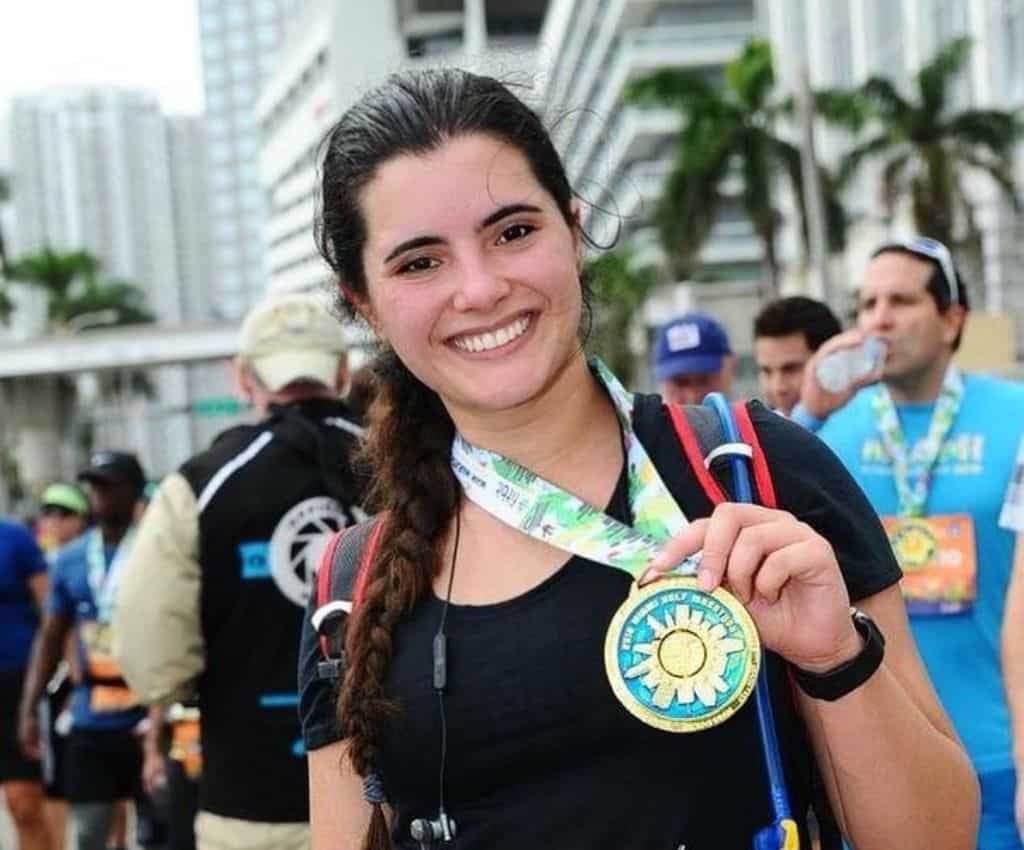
(90, 172)
(335, 50)
(239, 41)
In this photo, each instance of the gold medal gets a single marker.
(679, 658)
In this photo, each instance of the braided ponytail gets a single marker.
(408, 447)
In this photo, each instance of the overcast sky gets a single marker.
(148, 44)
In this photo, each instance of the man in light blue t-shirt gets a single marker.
(933, 449)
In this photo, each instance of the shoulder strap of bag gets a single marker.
(703, 442)
(342, 577)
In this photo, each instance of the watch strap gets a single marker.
(850, 675)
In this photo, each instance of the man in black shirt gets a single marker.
(212, 598)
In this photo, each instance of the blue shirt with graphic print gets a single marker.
(961, 651)
(71, 597)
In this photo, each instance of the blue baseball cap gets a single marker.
(693, 343)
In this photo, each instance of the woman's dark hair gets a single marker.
(410, 432)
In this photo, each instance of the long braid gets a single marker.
(408, 446)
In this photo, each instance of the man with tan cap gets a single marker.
(212, 597)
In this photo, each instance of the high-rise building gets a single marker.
(333, 51)
(239, 41)
(90, 172)
(186, 151)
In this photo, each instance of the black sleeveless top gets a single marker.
(540, 752)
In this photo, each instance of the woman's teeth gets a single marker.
(493, 339)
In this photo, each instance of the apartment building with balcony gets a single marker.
(618, 155)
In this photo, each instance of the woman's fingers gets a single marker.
(751, 550)
(714, 537)
(726, 523)
(675, 551)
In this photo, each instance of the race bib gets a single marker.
(939, 562)
(103, 671)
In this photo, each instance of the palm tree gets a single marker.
(925, 149)
(6, 305)
(620, 288)
(727, 132)
(75, 292)
(5, 196)
(73, 289)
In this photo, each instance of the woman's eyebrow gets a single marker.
(507, 210)
(424, 241)
(410, 244)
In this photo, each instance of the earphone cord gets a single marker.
(440, 631)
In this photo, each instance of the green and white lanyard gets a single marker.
(104, 580)
(535, 506)
(912, 466)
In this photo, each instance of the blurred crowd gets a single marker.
(149, 631)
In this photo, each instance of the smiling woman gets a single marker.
(509, 471)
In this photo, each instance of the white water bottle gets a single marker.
(838, 371)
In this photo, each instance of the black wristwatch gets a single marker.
(851, 674)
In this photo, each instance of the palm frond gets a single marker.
(686, 213)
(989, 128)
(999, 170)
(672, 87)
(6, 306)
(934, 78)
(845, 108)
(853, 159)
(884, 102)
(751, 75)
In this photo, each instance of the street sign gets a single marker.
(218, 406)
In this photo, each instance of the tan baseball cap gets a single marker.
(287, 338)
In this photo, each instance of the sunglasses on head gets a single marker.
(932, 249)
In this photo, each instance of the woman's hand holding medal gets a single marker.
(784, 572)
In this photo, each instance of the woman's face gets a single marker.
(472, 273)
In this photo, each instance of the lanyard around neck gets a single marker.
(547, 512)
(104, 580)
(912, 466)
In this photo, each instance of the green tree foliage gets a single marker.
(74, 290)
(923, 147)
(6, 305)
(620, 288)
(727, 133)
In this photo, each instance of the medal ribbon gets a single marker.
(545, 511)
(912, 466)
(104, 580)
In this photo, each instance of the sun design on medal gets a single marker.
(687, 659)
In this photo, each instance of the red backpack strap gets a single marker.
(323, 577)
(366, 563)
(759, 464)
(344, 572)
(695, 455)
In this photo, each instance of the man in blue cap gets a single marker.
(692, 358)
